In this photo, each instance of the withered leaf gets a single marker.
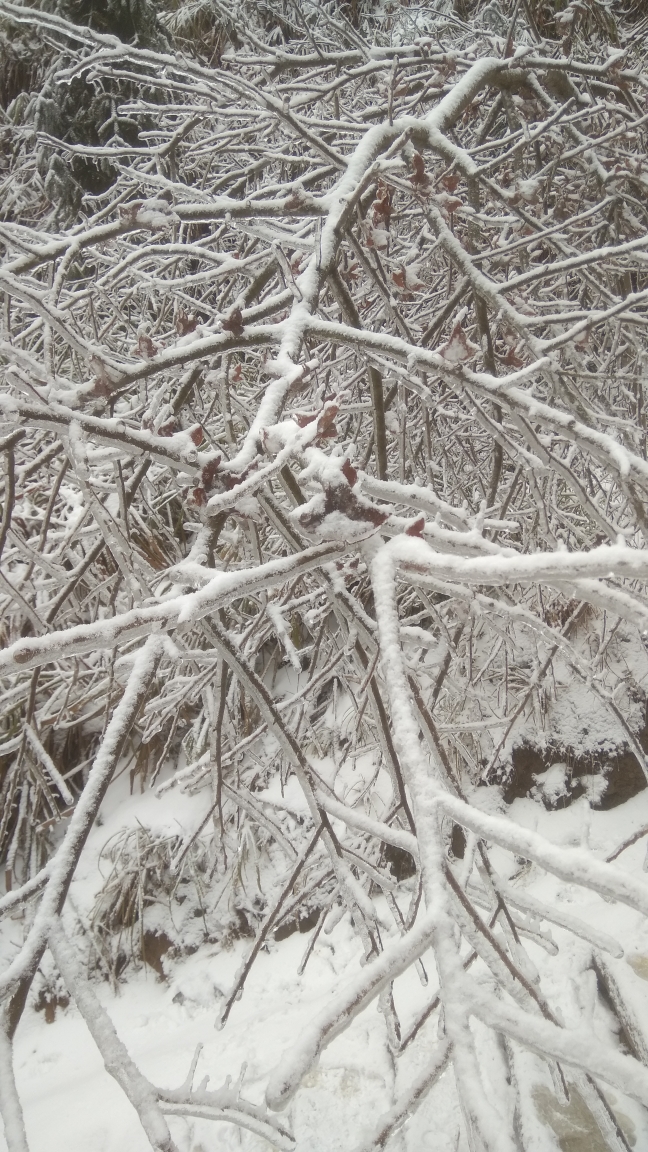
(234, 322)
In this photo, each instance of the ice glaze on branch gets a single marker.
(316, 416)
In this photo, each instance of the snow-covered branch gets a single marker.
(324, 469)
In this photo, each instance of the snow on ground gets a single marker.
(72, 1105)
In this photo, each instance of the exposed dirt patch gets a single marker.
(621, 769)
(155, 946)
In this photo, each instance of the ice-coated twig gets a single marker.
(23, 966)
(363, 325)
(540, 911)
(183, 609)
(608, 975)
(150, 1102)
(335, 1018)
(225, 1104)
(574, 1047)
(266, 927)
(389, 1123)
(118, 1063)
(574, 865)
(10, 1106)
(627, 843)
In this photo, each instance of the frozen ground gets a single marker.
(72, 1105)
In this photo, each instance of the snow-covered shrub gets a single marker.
(323, 430)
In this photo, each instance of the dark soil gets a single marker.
(624, 773)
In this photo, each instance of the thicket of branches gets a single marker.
(324, 446)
